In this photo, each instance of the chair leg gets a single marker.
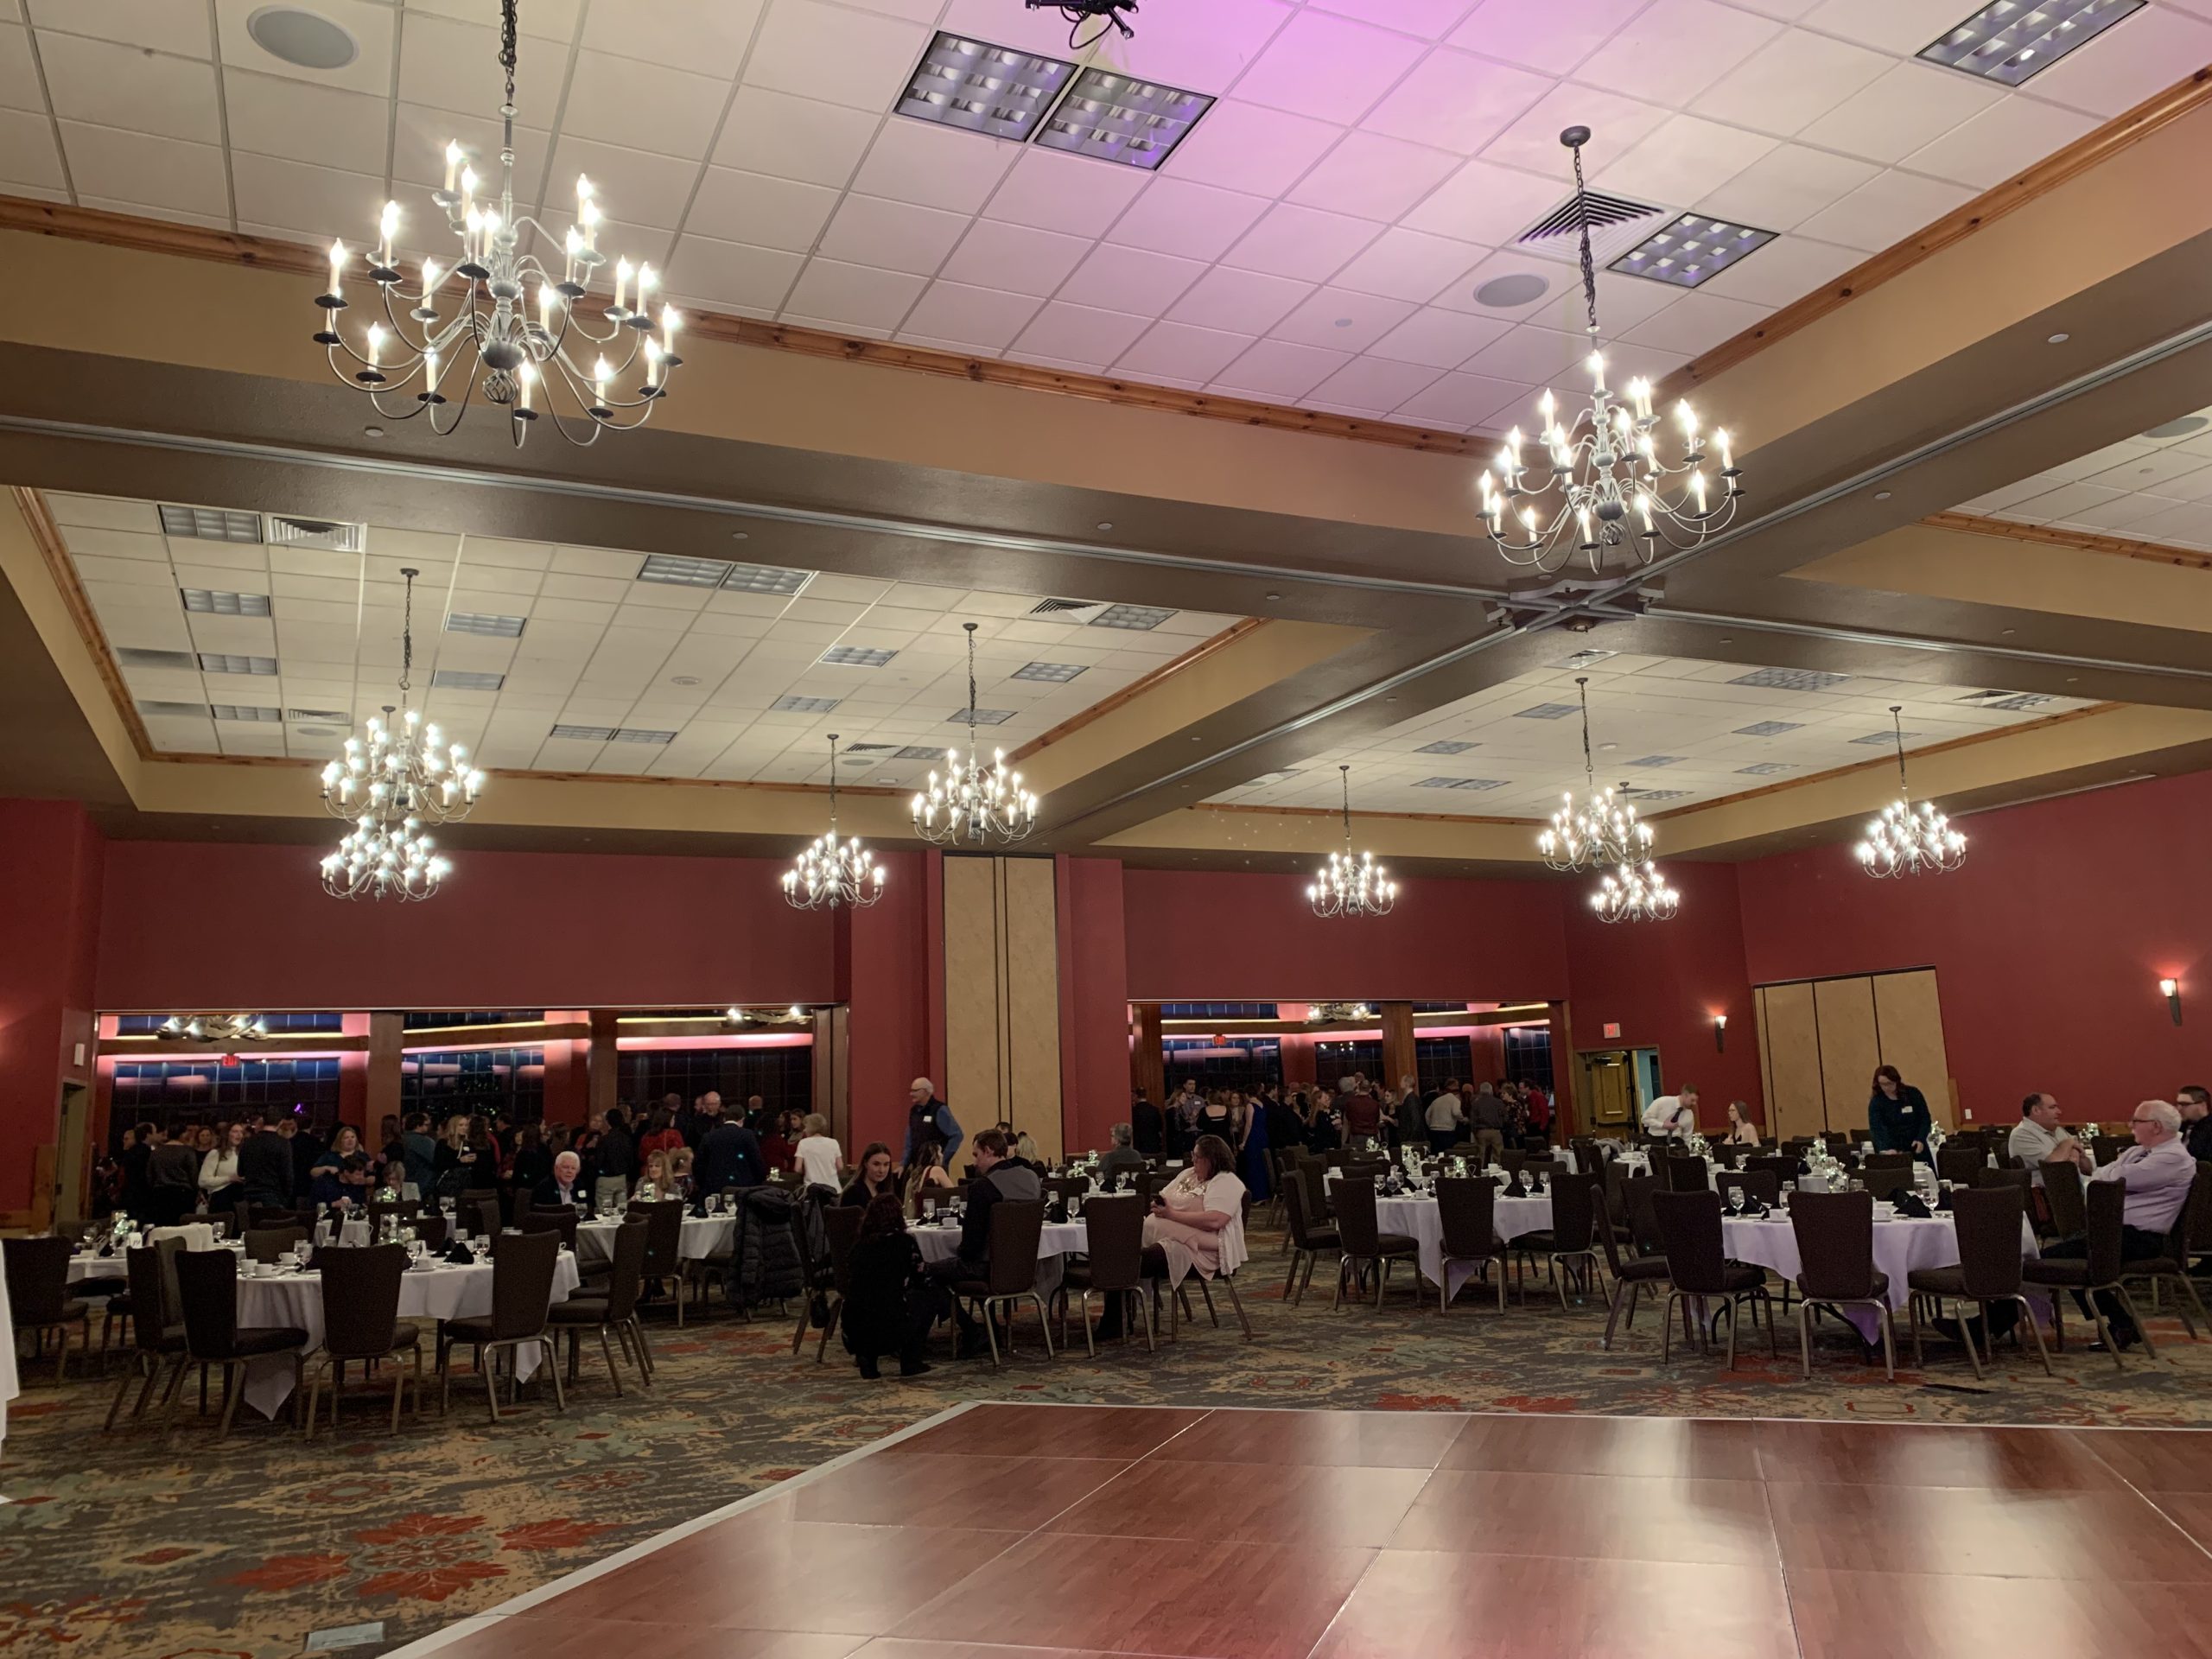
(491, 1379)
(233, 1386)
(314, 1402)
(1973, 1358)
(553, 1369)
(1044, 1323)
(1912, 1315)
(2150, 1348)
(1344, 1268)
(991, 1333)
(1237, 1302)
(2027, 1317)
(1624, 1290)
(1729, 1308)
(798, 1337)
(1667, 1328)
(1805, 1341)
(2189, 1289)
(829, 1328)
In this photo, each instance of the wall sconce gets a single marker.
(2171, 987)
(1720, 1034)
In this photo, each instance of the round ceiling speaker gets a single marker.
(1503, 293)
(2180, 429)
(302, 38)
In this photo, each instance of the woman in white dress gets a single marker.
(1197, 1219)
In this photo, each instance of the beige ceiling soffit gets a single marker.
(1139, 687)
(36, 564)
(293, 260)
(1359, 818)
(2091, 149)
(2085, 541)
(1261, 832)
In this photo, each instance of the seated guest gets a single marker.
(393, 1185)
(652, 1180)
(729, 1155)
(1026, 1149)
(817, 1157)
(925, 1175)
(339, 1178)
(565, 1185)
(1197, 1220)
(1122, 1159)
(875, 1179)
(2036, 1140)
(2157, 1172)
(890, 1303)
(1741, 1132)
(2193, 1102)
(682, 1182)
(998, 1177)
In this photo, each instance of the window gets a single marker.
(1217, 1011)
(1243, 1063)
(1334, 1060)
(1438, 1057)
(783, 1077)
(1528, 1055)
(437, 1018)
(144, 1025)
(183, 1095)
(484, 1080)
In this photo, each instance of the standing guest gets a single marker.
(586, 1145)
(307, 1148)
(889, 1303)
(1282, 1125)
(682, 1173)
(419, 1151)
(456, 1159)
(997, 1178)
(1252, 1150)
(929, 1123)
(874, 1179)
(1672, 1116)
(780, 1144)
(1363, 1113)
(484, 1168)
(531, 1165)
(2157, 1172)
(1897, 1115)
(1741, 1132)
(565, 1185)
(1409, 1114)
(172, 1180)
(729, 1156)
(2037, 1138)
(1488, 1118)
(683, 1118)
(340, 1178)
(1183, 1110)
(220, 1185)
(1214, 1117)
(265, 1168)
(1119, 1159)
(1539, 1106)
(390, 1147)
(2194, 1105)
(617, 1162)
(817, 1156)
(661, 1134)
(137, 1153)
(1322, 1135)
(1145, 1124)
(1445, 1118)
(756, 1114)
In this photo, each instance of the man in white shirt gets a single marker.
(1445, 1118)
(1672, 1116)
(2036, 1140)
(2157, 1172)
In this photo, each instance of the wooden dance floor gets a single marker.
(1064, 1532)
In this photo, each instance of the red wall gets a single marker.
(886, 978)
(1093, 998)
(2048, 943)
(49, 918)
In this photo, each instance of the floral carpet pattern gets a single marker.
(124, 1544)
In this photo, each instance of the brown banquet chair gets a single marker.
(1988, 1271)
(1010, 1274)
(1836, 1271)
(1113, 1265)
(523, 1266)
(360, 1321)
(207, 1285)
(38, 1295)
(1466, 1212)
(1362, 1240)
(611, 1309)
(1699, 1271)
(1308, 1238)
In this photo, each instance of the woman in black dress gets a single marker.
(890, 1303)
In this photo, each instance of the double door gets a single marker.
(1819, 1040)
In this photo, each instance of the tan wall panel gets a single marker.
(1030, 1033)
(974, 1085)
(1849, 1052)
(1790, 1044)
(1910, 1016)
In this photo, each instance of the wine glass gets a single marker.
(1735, 1199)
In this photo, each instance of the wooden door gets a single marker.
(1849, 1050)
(1789, 1050)
(1909, 1018)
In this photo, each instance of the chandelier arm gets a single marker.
(460, 409)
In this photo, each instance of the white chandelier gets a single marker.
(973, 802)
(833, 873)
(1337, 1012)
(1605, 830)
(492, 329)
(1635, 893)
(737, 1018)
(221, 1029)
(1352, 884)
(1909, 840)
(1603, 462)
(402, 778)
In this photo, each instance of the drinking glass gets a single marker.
(1736, 1199)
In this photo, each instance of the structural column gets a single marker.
(387, 1031)
(1147, 1057)
(1002, 997)
(602, 1086)
(1399, 1060)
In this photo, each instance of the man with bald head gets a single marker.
(929, 1120)
(2156, 1173)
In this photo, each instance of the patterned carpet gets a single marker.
(122, 1545)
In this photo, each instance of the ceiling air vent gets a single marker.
(1053, 607)
(324, 534)
(135, 656)
(1616, 224)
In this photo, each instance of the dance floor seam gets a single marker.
(1040, 1531)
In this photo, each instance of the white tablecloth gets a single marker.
(1420, 1221)
(111, 1268)
(702, 1236)
(440, 1292)
(8, 1386)
(1059, 1239)
(1901, 1245)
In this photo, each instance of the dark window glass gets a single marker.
(1438, 1057)
(1528, 1055)
(1217, 1011)
(1245, 1063)
(480, 1080)
(437, 1018)
(1334, 1060)
(782, 1077)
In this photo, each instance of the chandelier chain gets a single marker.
(407, 634)
(1897, 727)
(1589, 268)
(1589, 768)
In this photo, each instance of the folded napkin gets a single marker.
(1909, 1203)
(459, 1254)
(1056, 1211)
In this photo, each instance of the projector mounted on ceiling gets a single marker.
(1104, 14)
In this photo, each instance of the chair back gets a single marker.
(1574, 1212)
(1988, 1220)
(1679, 1174)
(1587, 1158)
(1512, 1160)
(265, 1244)
(2196, 1236)
(1466, 1210)
(1642, 1222)
(1314, 1178)
(2062, 1190)
(1835, 1245)
(1886, 1181)
(841, 1230)
(2109, 1147)
(1962, 1164)
(405, 1208)
(430, 1228)
(1356, 1223)
(151, 1304)
(206, 1282)
(2105, 1205)
(522, 1265)
(1782, 1168)
(1689, 1229)
(1295, 1214)
(1065, 1187)
(1839, 1141)
(625, 1278)
(663, 1219)
(1760, 1184)
(360, 1300)
(2022, 1178)
(1535, 1164)
(552, 1219)
(486, 1215)
(1016, 1229)
(1888, 1160)
(1117, 1246)
(38, 1278)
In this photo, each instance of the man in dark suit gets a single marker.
(265, 1168)
(1145, 1125)
(729, 1155)
(565, 1185)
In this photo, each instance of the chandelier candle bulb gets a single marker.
(387, 227)
(1727, 458)
(573, 244)
(337, 266)
(621, 287)
(600, 375)
(1697, 489)
(587, 218)
(453, 163)
(524, 378)
(467, 191)
(670, 318)
(647, 278)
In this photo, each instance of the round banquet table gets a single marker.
(1060, 1238)
(8, 1386)
(702, 1236)
(433, 1290)
(1420, 1221)
(110, 1269)
(1901, 1245)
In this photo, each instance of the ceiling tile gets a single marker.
(733, 206)
(154, 173)
(800, 138)
(453, 65)
(1373, 383)
(1541, 34)
(707, 37)
(873, 55)
(1408, 265)
(1014, 257)
(2004, 139)
(1241, 302)
(1884, 210)
(1530, 355)
(1438, 339)
(632, 185)
(152, 25)
(1461, 400)
(1176, 350)
(112, 85)
(1336, 319)
(1531, 143)
(642, 106)
(894, 235)
(306, 123)
(973, 317)
(1300, 242)
(1907, 108)
(1374, 177)
(1428, 20)
(931, 166)
(1783, 188)
(1487, 204)
(319, 202)
(1278, 368)
(1793, 78)
(853, 295)
(19, 87)
(1203, 46)
(1248, 146)
(1327, 67)
(1456, 101)
(1786, 269)
(1131, 279)
(1696, 322)
(1080, 334)
(1684, 159)
(1193, 221)
(1902, 27)
(370, 24)
(731, 273)
(2144, 53)
(1676, 48)
(1050, 190)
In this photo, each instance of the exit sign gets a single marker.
(1613, 1027)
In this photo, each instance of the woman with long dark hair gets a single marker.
(889, 1303)
(1898, 1118)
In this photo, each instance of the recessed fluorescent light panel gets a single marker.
(457, 679)
(1658, 761)
(676, 571)
(1139, 618)
(985, 717)
(247, 712)
(494, 627)
(857, 657)
(765, 579)
(1444, 746)
(2020, 701)
(1790, 679)
(586, 733)
(1654, 794)
(1049, 673)
(1546, 711)
(2007, 41)
(633, 734)
(1690, 250)
(1460, 783)
(220, 604)
(803, 705)
(1764, 769)
(919, 752)
(173, 711)
(1585, 659)
(210, 523)
(1118, 119)
(1769, 728)
(223, 662)
(134, 656)
(337, 715)
(967, 83)
(1872, 738)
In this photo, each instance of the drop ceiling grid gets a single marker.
(599, 648)
(1353, 169)
(1641, 707)
(2144, 488)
